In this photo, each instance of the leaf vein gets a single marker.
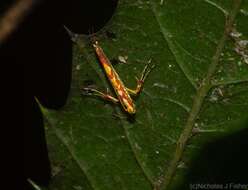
(172, 46)
(69, 149)
(201, 93)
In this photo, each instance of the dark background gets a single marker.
(41, 45)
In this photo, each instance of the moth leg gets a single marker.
(140, 82)
(94, 92)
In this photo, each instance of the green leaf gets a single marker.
(200, 83)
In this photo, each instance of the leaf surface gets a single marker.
(200, 83)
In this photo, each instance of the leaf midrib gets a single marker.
(198, 100)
